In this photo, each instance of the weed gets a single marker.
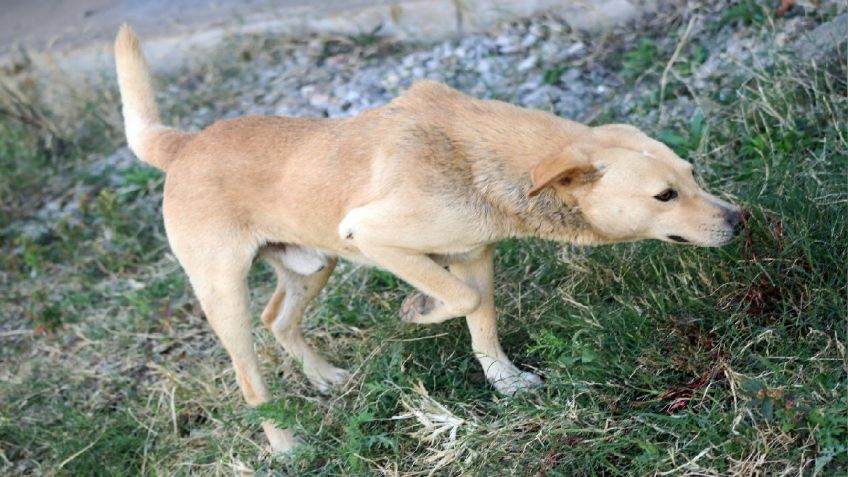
(552, 75)
(686, 141)
(640, 59)
(369, 38)
(747, 12)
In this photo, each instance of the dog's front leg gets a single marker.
(507, 379)
(371, 230)
(445, 296)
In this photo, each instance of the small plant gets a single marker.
(775, 404)
(552, 75)
(17, 107)
(746, 12)
(641, 59)
(368, 38)
(45, 314)
(684, 141)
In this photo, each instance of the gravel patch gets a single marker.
(538, 63)
(509, 63)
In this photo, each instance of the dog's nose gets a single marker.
(735, 220)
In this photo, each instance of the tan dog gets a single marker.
(431, 180)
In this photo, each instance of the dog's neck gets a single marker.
(499, 144)
(502, 179)
(512, 213)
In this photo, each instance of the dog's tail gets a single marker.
(152, 142)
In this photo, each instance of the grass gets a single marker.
(658, 360)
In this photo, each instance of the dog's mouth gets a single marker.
(677, 238)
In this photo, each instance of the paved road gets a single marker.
(69, 24)
(75, 35)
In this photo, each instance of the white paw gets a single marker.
(325, 377)
(508, 380)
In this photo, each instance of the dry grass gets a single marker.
(658, 360)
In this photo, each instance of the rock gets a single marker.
(507, 44)
(571, 75)
(320, 101)
(824, 41)
(543, 97)
(527, 63)
(575, 49)
(528, 41)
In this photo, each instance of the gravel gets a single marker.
(508, 63)
(538, 63)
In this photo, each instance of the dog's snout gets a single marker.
(736, 220)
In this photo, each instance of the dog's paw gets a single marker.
(326, 377)
(510, 380)
(423, 309)
(282, 441)
(416, 306)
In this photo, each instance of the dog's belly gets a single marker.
(465, 254)
(359, 259)
(444, 257)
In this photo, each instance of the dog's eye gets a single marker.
(666, 195)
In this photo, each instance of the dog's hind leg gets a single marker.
(284, 313)
(219, 279)
(504, 376)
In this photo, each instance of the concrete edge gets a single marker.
(427, 20)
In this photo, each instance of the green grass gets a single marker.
(746, 12)
(657, 358)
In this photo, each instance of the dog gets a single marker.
(422, 187)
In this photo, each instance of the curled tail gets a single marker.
(152, 142)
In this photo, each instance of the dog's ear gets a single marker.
(569, 168)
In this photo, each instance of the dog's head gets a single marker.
(630, 187)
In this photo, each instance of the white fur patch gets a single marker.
(304, 261)
(134, 126)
